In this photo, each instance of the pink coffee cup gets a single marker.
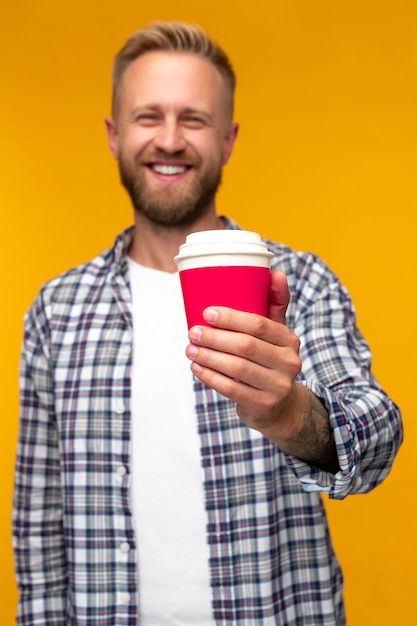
(223, 268)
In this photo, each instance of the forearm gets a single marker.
(302, 429)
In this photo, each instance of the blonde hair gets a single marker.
(171, 37)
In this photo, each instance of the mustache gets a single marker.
(178, 158)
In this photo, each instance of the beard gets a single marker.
(171, 204)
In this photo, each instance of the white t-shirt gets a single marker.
(167, 491)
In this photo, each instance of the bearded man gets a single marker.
(161, 483)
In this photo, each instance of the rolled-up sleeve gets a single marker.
(336, 367)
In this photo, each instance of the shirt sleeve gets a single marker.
(336, 367)
(37, 509)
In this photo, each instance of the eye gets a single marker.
(193, 121)
(147, 119)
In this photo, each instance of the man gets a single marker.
(145, 495)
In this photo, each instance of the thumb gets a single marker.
(279, 297)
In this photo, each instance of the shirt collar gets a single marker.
(122, 244)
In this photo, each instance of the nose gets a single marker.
(170, 138)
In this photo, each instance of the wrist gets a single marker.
(288, 420)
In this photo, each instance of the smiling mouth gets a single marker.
(168, 170)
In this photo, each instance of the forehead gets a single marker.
(160, 77)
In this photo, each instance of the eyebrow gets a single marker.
(141, 108)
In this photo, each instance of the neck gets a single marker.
(155, 246)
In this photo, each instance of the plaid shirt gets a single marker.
(271, 558)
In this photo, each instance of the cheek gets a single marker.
(212, 150)
(135, 141)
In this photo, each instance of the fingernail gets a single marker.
(195, 333)
(196, 368)
(192, 351)
(210, 315)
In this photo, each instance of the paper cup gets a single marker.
(223, 268)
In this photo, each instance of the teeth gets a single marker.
(169, 170)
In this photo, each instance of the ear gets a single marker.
(229, 141)
(112, 136)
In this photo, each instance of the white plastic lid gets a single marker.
(223, 242)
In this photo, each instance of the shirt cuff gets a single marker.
(347, 479)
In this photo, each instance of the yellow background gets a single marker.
(325, 161)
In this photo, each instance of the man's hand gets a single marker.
(254, 361)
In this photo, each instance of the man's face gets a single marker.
(172, 135)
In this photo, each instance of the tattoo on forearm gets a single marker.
(316, 438)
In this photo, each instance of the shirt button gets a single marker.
(119, 408)
(125, 598)
(124, 547)
(121, 470)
